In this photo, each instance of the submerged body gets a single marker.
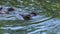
(19, 15)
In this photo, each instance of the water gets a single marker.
(50, 26)
(38, 25)
(45, 25)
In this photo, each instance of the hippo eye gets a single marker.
(34, 14)
(27, 17)
(10, 9)
(0, 8)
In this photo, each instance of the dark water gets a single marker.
(40, 25)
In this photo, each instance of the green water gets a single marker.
(43, 7)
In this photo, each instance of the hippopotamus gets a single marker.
(19, 15)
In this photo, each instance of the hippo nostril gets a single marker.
(7, 12)
(2, 12)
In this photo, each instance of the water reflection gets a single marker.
(44, 28)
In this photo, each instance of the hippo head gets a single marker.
(11, 9)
